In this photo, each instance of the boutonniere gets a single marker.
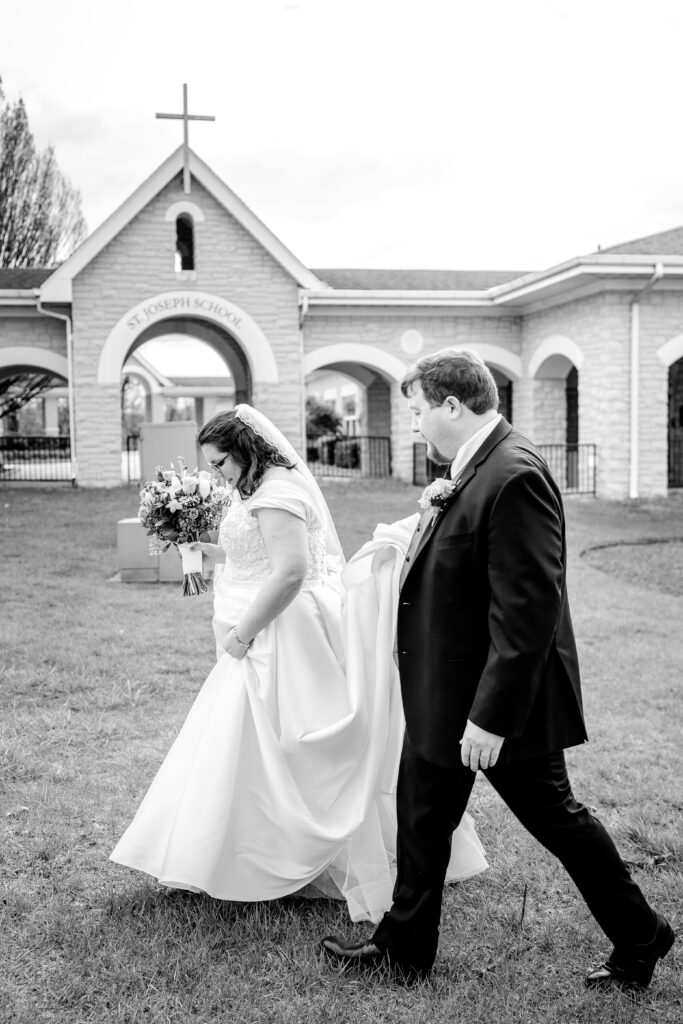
(436, 494)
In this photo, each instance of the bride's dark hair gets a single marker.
(229, 434)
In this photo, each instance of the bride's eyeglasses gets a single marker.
(219, 465)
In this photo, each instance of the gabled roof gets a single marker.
(419, 280)
(23, 278)
(57, 288)
(664, 243)
(149, 368)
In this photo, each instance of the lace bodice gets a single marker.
(241, 539)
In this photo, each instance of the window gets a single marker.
(184, 244)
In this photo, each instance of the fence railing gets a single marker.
(675, 462)
(34, 459)
(357, 456)
(131, 460)
(573, 466)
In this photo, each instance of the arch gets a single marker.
(497, 357)
(353, 372)
(671, 351)
(38, 358)
(135, 370)
(564, 354)
(351, 352)
(168, 307)
(184, 206)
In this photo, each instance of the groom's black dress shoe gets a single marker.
(365, 955)
(633, 968)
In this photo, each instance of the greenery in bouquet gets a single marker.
(177, 507)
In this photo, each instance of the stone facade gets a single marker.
(139, 264)
(274, 321)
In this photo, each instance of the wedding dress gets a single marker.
(283, 776)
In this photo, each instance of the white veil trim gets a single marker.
(266, 429)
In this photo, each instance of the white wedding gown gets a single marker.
(282, 777)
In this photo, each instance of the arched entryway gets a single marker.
(207, 319)
(217, 338)
(35, 425)
(359, 384)
(180, 370)
(555, 372)
(356, 439)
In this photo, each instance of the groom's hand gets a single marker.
(478, 748)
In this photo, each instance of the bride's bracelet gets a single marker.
(240, 642)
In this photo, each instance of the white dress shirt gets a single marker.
(469, 448)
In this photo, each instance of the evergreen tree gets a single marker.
(321, 418)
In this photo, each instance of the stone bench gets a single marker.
(135, 563)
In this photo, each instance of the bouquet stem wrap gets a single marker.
(193, 581)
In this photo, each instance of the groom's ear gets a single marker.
(454, 405)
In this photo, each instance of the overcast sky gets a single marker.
(510, 134)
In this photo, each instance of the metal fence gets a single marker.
(573, 466)
(31, 459)
(675, 462)
(357, 456)
(130, 469)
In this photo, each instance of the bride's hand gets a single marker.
(211, 551)
(232, 645)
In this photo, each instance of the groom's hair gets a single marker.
(461, 373)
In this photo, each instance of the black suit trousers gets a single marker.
(431, 801)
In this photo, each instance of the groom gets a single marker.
(490, 680)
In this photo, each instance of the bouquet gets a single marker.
(176, 507)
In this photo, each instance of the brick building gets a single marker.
(589, 352)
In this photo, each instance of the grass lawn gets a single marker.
(96, 678)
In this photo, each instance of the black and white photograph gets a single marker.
(341, 487)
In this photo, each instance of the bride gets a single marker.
(282, 778)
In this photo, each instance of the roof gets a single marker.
(418, 280)
(58, 287)
(18, 278)
(664, 243)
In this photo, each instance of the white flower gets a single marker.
(436, 494)
(174, 506)
(204, 483)
(190, 484)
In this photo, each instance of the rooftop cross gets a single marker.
(186, 118)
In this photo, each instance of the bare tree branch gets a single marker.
(18, 390)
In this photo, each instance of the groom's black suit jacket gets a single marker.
(484, 630)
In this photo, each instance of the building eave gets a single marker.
(18, 297)
(574, 278)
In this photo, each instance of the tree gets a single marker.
(19, 388)
(321, 419)
(41, 221)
